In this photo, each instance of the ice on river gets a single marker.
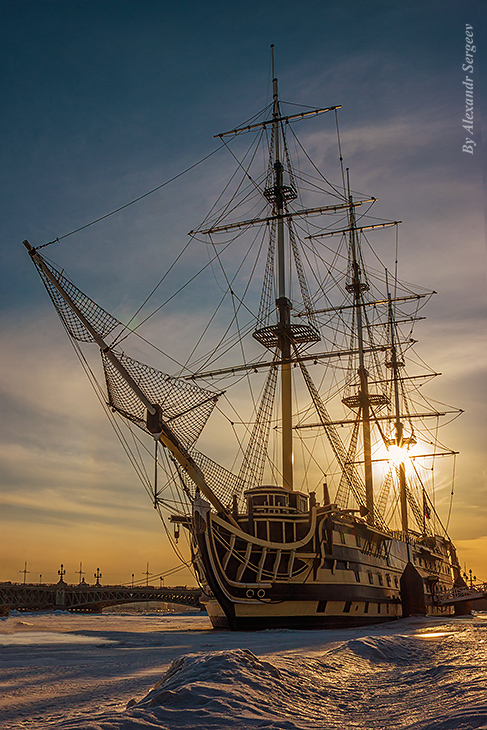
(134, 672)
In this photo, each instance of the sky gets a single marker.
(102, 102)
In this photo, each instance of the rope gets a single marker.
(451, 493)
(136, 200)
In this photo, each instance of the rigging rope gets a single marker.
(452, 492)
(136, 200)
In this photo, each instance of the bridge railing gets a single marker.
(461, 593)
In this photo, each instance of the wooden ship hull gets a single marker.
(314, 570)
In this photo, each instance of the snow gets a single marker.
(166, 671)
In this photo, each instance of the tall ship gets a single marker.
(309, 501)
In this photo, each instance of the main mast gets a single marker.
(357, 287)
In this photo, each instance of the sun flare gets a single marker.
(398, 455)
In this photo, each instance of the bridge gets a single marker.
(83, 598)
(461, 593)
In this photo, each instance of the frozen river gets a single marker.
(134, 671)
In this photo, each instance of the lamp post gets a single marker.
(469, 576)
(24, 571)
(81, 572)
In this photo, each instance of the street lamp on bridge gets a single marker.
(24, 571)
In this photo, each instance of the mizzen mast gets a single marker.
(399, 440)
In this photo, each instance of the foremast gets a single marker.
(283, 304)
(284, 337)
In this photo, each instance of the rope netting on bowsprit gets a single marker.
(222, 482)
(185, 407)
(101, 320)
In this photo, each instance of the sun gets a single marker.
(398, 454)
